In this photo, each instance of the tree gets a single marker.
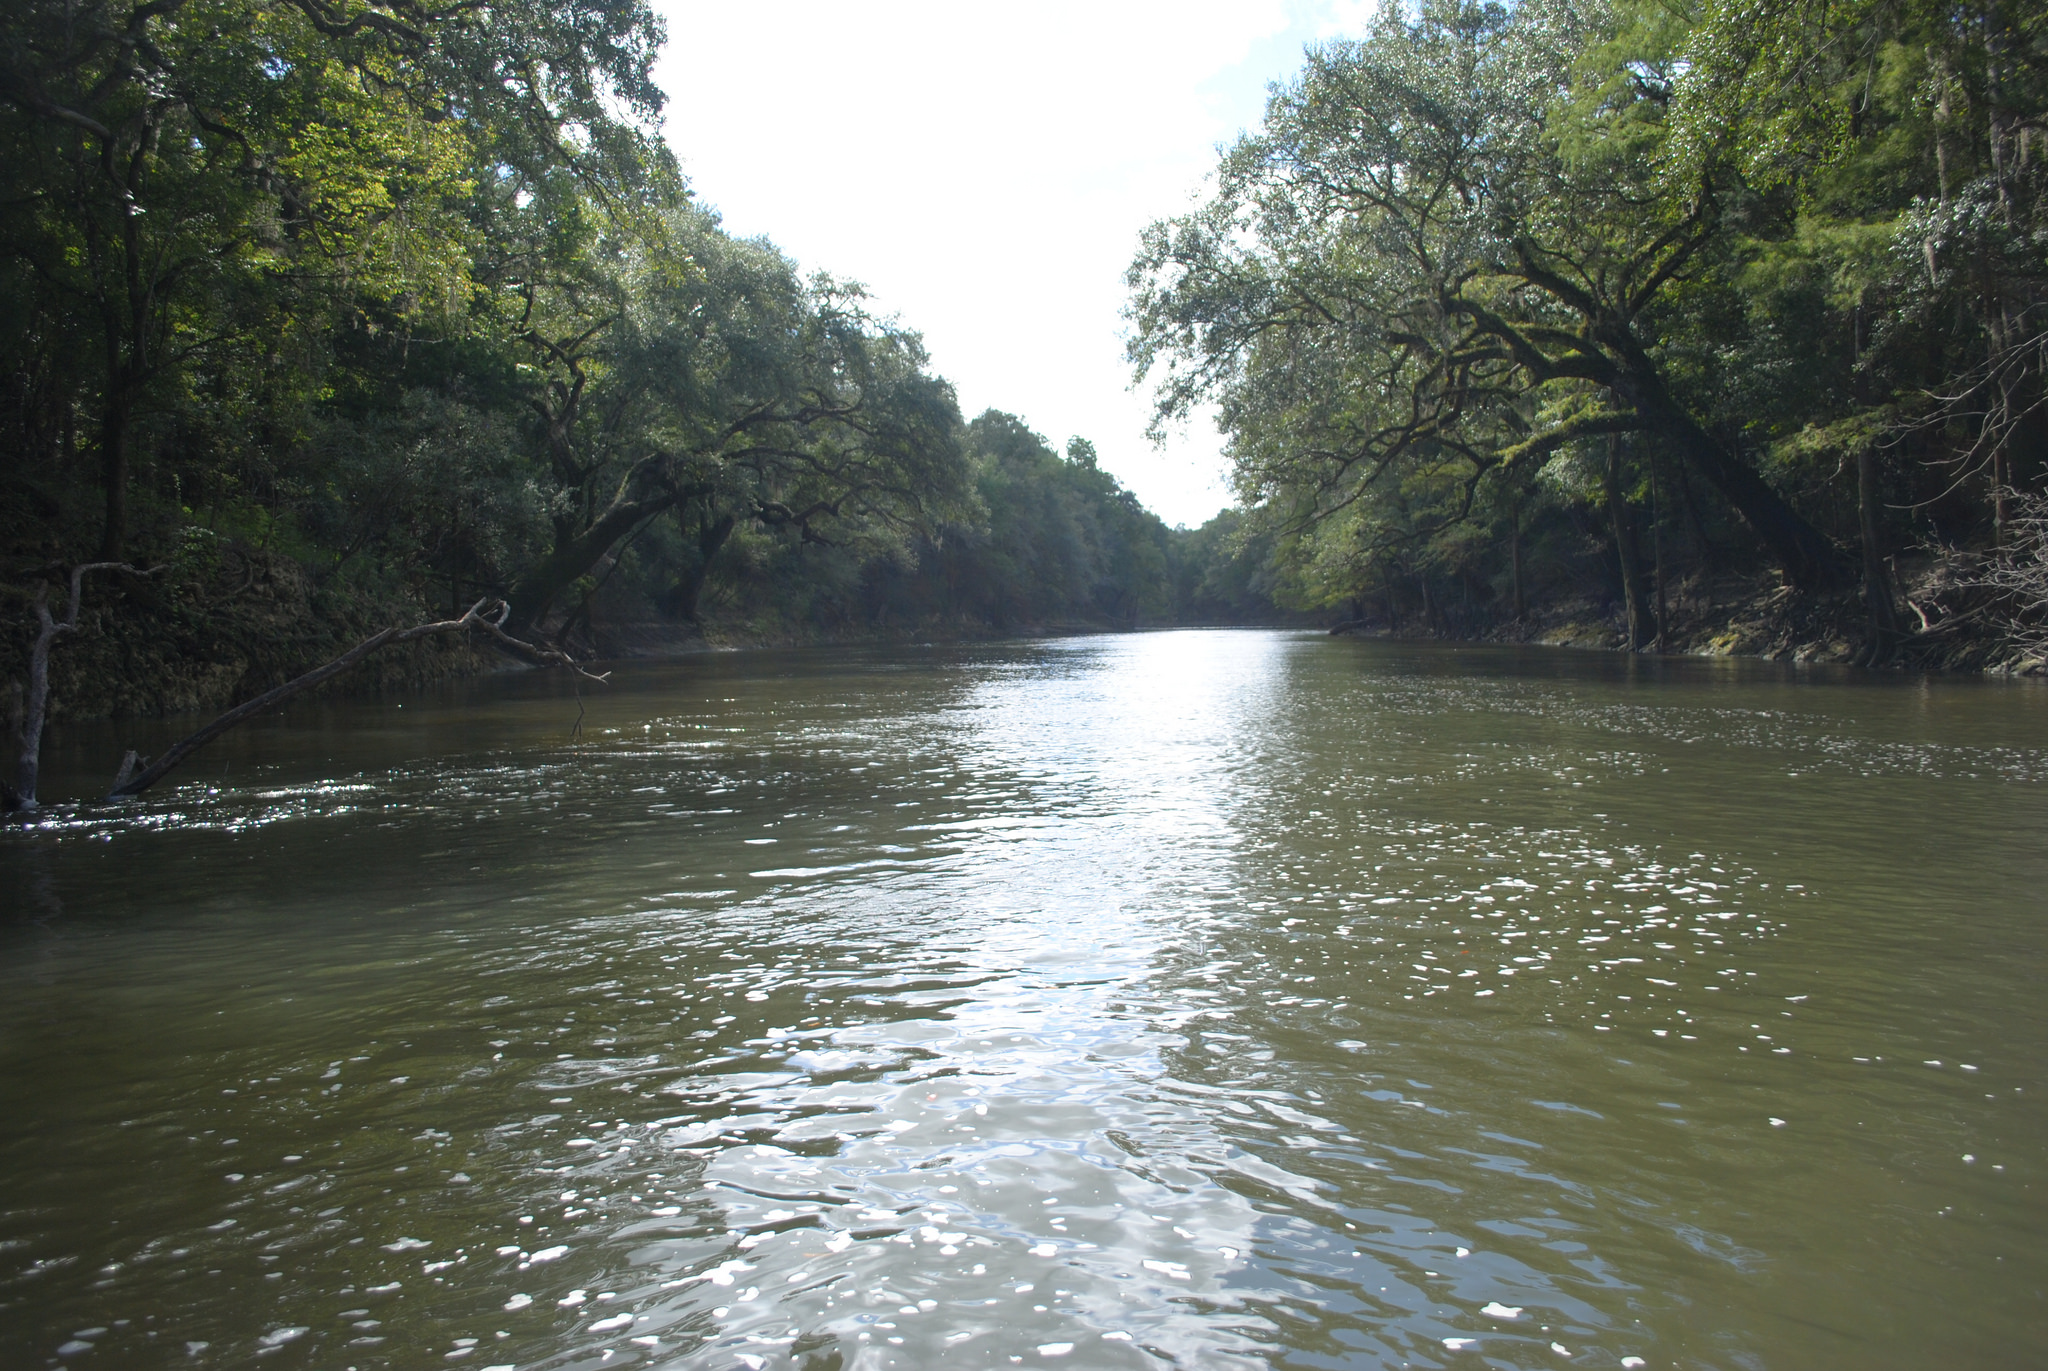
(1454, 249)
(1906, 131)
(187, 179)
(702, 377)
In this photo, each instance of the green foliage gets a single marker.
(1035, 541)
(352, 311)
(1065, 543)
(1750, 243)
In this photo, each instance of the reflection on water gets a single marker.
(1195, 999)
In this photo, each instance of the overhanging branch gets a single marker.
(489, 621)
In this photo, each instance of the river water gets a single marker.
(1201, 999)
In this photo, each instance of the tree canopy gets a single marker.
(1490, 262)
(349, 313)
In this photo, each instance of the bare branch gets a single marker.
(21, 796)
(489, 621)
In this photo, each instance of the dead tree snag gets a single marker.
(485, 616)
(21, 796)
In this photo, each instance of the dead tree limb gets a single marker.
(21, 796)
(490, 622)
(493, 626)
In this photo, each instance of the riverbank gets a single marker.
(143, 650)
(1944, 629)
(145, 653)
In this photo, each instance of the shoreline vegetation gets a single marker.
(1760, 618)
(1576, 320)
(1705, 619)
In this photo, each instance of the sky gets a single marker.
(985, 170)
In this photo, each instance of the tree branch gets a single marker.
(22, 794)
(131, 782)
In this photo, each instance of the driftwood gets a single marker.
(22, 794)
(485, 616)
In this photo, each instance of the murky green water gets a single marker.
(1197, 999)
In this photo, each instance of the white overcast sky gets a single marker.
(984, 170)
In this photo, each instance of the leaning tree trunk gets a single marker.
(1802, 551)
(535, 592)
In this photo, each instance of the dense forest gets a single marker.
(329, 316)
(1725, 323)
(324, 316)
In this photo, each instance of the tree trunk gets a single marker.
(1515, 558)
(1703, 546)
(114, 474)
(1642, 629)
(682, 598)
(1877, 587)
(2000, 487)
(1657, 550)
(22, 794)
(1802, 551)
(535, 592)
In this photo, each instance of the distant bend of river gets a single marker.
(1197, 999)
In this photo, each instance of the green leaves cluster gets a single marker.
(1485, 245)
(352, 310)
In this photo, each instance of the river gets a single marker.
(1196, 999)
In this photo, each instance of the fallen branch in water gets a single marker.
(21, 796)
(131, 781)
